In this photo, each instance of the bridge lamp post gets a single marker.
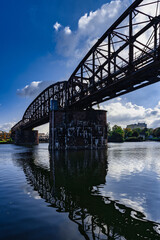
(53, 108)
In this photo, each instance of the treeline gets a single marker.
(5, 137)
(117, 134)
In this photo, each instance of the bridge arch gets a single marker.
(125, 58)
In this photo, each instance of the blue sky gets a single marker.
(43, 41)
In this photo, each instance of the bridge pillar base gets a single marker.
(85, 129)
(26, 137)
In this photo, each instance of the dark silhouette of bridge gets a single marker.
(125, 58)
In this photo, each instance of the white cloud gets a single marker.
(6, 127)
(43, 128)
(90, 27)
(33, 89)
(124, 113)
(86, 19)
(28, 189)
(67, 30)
(74, 44)
(56, 26)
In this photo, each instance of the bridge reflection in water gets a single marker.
(71, 184)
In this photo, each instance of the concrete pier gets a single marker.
(85, 129)
(26, 137)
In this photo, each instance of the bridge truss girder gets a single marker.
(128, 47)
(125, 58)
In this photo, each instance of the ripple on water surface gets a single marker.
(80, 194)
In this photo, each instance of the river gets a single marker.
(72, 195)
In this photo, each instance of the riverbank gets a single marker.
(6, 142)
(134, 140)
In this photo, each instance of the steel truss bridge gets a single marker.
(125, 58)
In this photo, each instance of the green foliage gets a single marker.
(150, 131)
(6, 141)
(108, 129)
(135, 133)
(156, 132)
(127, 132)
(117, 134)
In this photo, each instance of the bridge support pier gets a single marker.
(85, 129)
(26, 137)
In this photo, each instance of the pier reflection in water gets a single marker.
(72, 183)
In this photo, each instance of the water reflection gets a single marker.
(73, 184)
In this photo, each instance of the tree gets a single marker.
(135, 133)
(156, 132)
(127, 132)
(109, 132)
(146, 132)
(117, 134)
(150, 130)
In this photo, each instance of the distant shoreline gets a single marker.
(6, 142)
(148, 140)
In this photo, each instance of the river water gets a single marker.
(72, 195)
